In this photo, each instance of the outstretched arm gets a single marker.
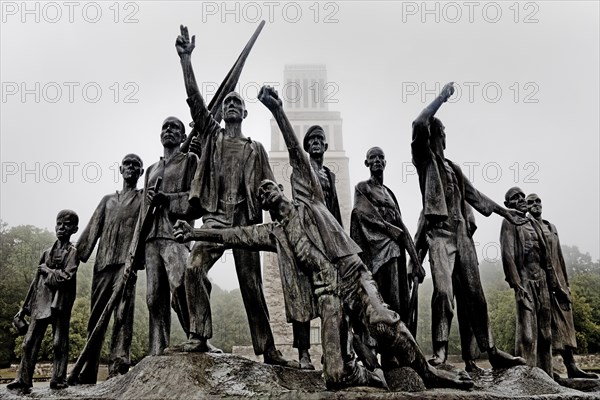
(252, 237)
(487, 206)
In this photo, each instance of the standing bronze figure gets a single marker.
(49, 302)
(529, 273)
(447, 195)
(563, 328)
(377, 227)
(165, 258)
(224, 190)
(112, 226)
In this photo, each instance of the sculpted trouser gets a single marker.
(468, 343)
(60, 342)
(104, 283)
(165, 271)
(301, 332)
(392, 281)
(533, 337)
(454, 265)
(198, 288)
(359, 302)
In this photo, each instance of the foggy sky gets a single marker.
(527, 114)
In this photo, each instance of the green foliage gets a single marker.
(586, 311)
(78, 329)
(139, 343)
(502, 312)
(230, 324)
(20, 250)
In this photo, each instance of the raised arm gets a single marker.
(298, 157)
(269, 97)
(184, 49)
(420, 145)
(431, 109)
(203, 120)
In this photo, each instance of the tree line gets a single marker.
(21, 248)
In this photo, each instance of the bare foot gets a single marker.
(438, 378)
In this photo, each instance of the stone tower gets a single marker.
(307, 96)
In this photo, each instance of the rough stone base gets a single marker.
(585, 385)
(287, 350)
(201, 376)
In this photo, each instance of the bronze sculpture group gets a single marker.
(360, 285)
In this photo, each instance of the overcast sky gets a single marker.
(84, 83)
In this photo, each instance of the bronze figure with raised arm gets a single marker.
(448, 226)
(224, 190)
(308, 237)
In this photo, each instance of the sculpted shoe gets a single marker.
(576, 372)
(58, 385)
(501, 359)
(470, 366)
(440, 353)
(199, 345)
(213, 349)
(274, 357)
(73, 380)
(20, 386)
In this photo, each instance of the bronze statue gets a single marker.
(294, 280)
(315, 144)
(377, 227)
(165, 258)
(49, 302)
(529, 273)
(563, 329)
(307, 236)
(112, 226)
(230, 170)
(447, 228)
